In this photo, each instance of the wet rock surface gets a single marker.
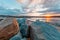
(8, 28)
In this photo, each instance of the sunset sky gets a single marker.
(35, 7)
(32, 5)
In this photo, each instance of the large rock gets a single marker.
(8, 28)
(47, 30)
(35, 32)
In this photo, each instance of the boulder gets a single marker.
(8, 28)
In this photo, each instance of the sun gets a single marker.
(48, 17)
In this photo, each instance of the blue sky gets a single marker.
(16, 5)
(10, 4)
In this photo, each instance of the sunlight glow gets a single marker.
(48, 17)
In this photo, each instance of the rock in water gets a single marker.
(8, 28)
(49, 31)
(35, 32)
